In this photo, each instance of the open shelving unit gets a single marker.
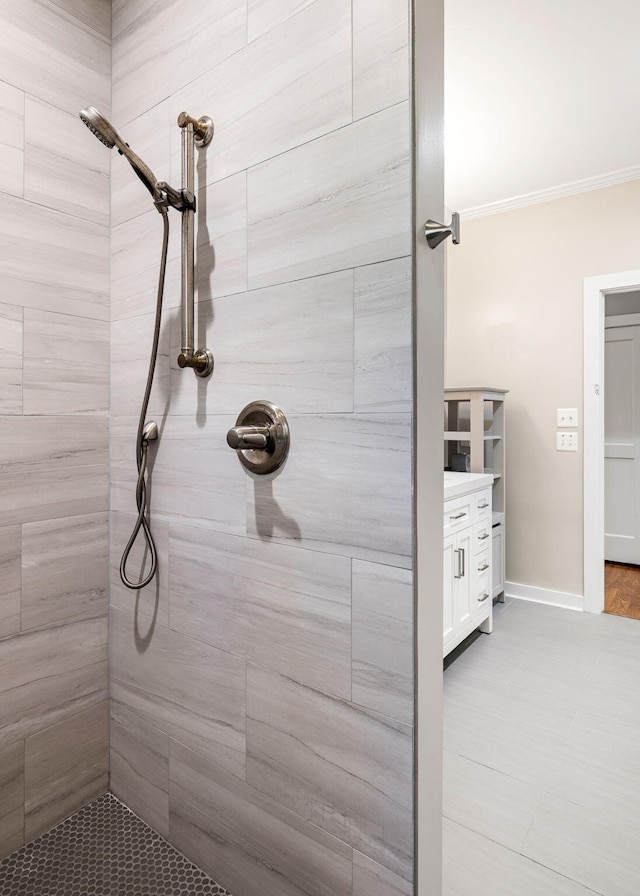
(474, 426)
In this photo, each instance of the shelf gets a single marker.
(465, 436)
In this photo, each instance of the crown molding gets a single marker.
(569, 189)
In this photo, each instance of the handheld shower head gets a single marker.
(107, 134)
(99, 126)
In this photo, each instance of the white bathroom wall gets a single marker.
(262, 713)
(54, 402)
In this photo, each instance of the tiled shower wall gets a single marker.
(54, 402)
(261, 688)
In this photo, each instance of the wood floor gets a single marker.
(622, 590)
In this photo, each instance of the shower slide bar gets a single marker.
(195, 132)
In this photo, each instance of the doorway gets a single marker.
(597, 474)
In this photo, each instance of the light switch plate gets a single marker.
(567, 417)
(567, 441)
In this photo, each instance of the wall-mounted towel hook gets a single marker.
(436, 232)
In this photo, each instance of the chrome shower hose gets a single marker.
(142, 442)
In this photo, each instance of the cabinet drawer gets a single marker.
(481, 505)
(481, 579)
(482, 536)
(457, 514)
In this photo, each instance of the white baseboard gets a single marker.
(544, 596)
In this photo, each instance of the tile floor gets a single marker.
(102, 850)
(542, 757)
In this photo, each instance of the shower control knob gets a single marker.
(261, 437)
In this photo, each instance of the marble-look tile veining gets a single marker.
(65, 168)
(53, 55)
(10, 579)
(267, 14)
(149, 63)
(382, 637)
(380, 55)
(264, 109)
(351, 209)
(336, 458)
(65, 461)
(185, 687)
(382, 337)
(64, 569)
(72, 251)
(328, 761)
(256, 845)
(139, 766)
(65, 767)
(292, 342)
(12, 803)
(276, 606)
(12, 139)
(66, 364)
(11, 360)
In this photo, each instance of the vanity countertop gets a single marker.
(456, 484)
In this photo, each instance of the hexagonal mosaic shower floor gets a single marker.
(102, 850)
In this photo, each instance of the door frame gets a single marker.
(595, 289)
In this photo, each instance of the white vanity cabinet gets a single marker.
(467, 530)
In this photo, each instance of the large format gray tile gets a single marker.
(66, 364)
(12, 140)
(140, 766)
(372, 879)
(47, 676)
(149, 64)
(474, 865)
(592, 851)
(332, 458)
(279, 607)
(73, 252)
(329, 762)
(351, 207)
(186, 688)
(382, 338)
(95, 13)
(10, 579)
(150, 605)
(136, 245)
(52, 55)
(382, 638)
(262, 107)
(65, 767)
(221, 237)
(11, 798)
(131, 343)
(65, 166)
(11, 331)
(64, 460)
(291, 344)
(489, 802)
(195, 476)
(149, 135)
(266, 14)
(64, 569)
(255, 846)
(381, 66)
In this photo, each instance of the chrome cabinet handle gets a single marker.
(458, 574)
(462, 561)
(483, 537)
(458, 516)
(482, 506)
(482, 568)
(484, 597)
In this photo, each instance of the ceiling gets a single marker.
(539, 94)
